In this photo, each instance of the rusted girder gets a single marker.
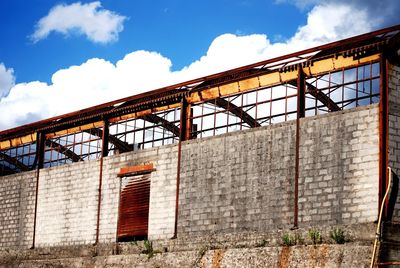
(122, 146)
(153, 118)
(63, 150)
(239, 112)
(14, 161)
(319, 95)
(322, 97)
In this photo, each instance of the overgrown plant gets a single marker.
(288, 240)
(338, 235)
(148, 248)
(315, 236)
(291, 240)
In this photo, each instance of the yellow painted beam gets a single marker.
(74, 130)
(14, 142)
(278, 77)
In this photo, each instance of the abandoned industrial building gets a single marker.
(216, 170)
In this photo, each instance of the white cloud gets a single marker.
(7, 80)
(98, 24)
(329, 22)
(97, 80)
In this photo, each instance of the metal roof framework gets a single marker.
(219, 92)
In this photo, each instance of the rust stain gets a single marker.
(318, 256)
(217, 258)
(283, 260)
(323, 255)
(136, 170)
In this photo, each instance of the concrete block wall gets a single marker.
(67, 204)
(17, 203)
(241, 181)
(394, 128)
(244, 181)
(339, 167)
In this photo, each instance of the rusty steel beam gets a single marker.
(322, 97)
(383, 134)
(40, 149)
(155, 119)
(63, 150)
(122, 146)
(300, 84)
(182, 135)
(104, 152)
(14, 161)
(239, 112)
(319, 95)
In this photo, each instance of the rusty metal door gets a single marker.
(133, 215)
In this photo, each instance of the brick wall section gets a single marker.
(17, 197)
(67, 204)
(238, 182)
(394, 127)
(339, 170)
(162, 191)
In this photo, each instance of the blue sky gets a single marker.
(89, 52)
(180, 30)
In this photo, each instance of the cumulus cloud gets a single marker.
(97, 80)
(7, 80)
(98, 24)
(328, 22)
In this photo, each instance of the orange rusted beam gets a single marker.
(136, 170)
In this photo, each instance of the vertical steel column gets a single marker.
(300, 114)
(182, 135)
(104, 152)
(40, 144)
(383, 132)
(105, 138)
(189, 122)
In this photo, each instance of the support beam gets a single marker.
(239, 112)
(104, 152)
(383, 134)
(122, 146)
(14, 161)
(322, 97)
(105, 139)
(319, 95)
(40, 146)
(301, 103)
(155, 119)
(63, 150)
(182, 135)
